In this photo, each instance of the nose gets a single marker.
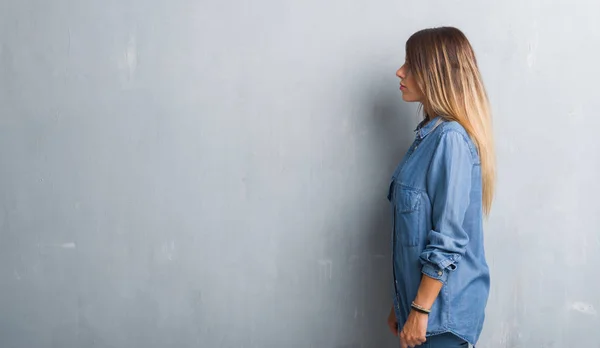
(400, 72)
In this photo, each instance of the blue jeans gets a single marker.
(446, 340)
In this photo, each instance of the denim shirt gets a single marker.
(436, 196)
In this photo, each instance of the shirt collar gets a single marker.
(423, 129)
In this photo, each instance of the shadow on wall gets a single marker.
(393, 122)
(386, 127)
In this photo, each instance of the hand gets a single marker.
(414, 330)
(393, 322)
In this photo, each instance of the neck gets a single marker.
(429, 114)
(428, 118)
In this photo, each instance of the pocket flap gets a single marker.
(407, 200)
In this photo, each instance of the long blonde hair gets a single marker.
(444, 65)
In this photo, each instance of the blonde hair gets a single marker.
(444, 66)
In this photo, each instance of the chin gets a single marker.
(408, 99)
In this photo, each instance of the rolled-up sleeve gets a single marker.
(449, 187)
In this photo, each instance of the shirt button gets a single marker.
(440, 273)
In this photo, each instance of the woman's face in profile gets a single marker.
(408, 85)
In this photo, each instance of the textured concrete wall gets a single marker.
(213, 173)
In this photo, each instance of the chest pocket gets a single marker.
(407, 226)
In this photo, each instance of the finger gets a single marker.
(414, 342)
(410, 340)
(402, 335)
(403, 343)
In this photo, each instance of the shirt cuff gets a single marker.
(435, 273)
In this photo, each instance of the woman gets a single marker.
(439, 193)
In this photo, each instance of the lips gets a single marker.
(402, 86)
